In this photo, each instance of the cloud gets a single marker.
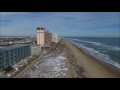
(63, 23)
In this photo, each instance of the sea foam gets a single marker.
(96, 53)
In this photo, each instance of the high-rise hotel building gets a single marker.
(44, 37)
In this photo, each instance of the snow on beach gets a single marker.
(49, 66)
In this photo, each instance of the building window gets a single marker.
(7, 60)
(0, 54)
(0, 63)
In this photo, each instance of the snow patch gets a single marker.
(64, 74)
(49, 66)
(65, 69)
(16, 69)
(8, 75)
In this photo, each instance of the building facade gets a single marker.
(54, 38)
(40, 36)
(13, 54)
(44, 37)
(35, 50)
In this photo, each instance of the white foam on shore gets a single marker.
(96, 54)
(108, 47)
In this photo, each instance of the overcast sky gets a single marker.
(101, 24)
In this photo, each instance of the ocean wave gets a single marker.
(96, 54)
(111, 48)
(95, 43)
(104, 46)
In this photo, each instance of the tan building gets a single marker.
(43, 37)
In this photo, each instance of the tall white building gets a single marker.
(55, 38)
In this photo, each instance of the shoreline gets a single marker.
(110, 68)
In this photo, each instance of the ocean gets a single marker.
(102, 48)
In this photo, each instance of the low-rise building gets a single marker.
(35, 50)
(13, 54)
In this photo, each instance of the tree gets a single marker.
(9, 68)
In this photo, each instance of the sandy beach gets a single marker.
(92, 68)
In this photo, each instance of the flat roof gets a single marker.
(12, 47)
(42, 28)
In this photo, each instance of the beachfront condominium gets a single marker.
(44, 37)
(11, 55)
(54, 37)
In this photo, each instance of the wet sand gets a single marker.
(93, 68)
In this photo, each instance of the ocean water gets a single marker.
(105, 49)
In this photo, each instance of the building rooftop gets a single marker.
(40, 28)
(12, 47)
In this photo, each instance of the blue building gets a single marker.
(13, 54)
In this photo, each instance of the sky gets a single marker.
(67, 24)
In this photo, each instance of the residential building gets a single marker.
(35, 50)
(13, 54)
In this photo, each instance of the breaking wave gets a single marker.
(96, 53)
